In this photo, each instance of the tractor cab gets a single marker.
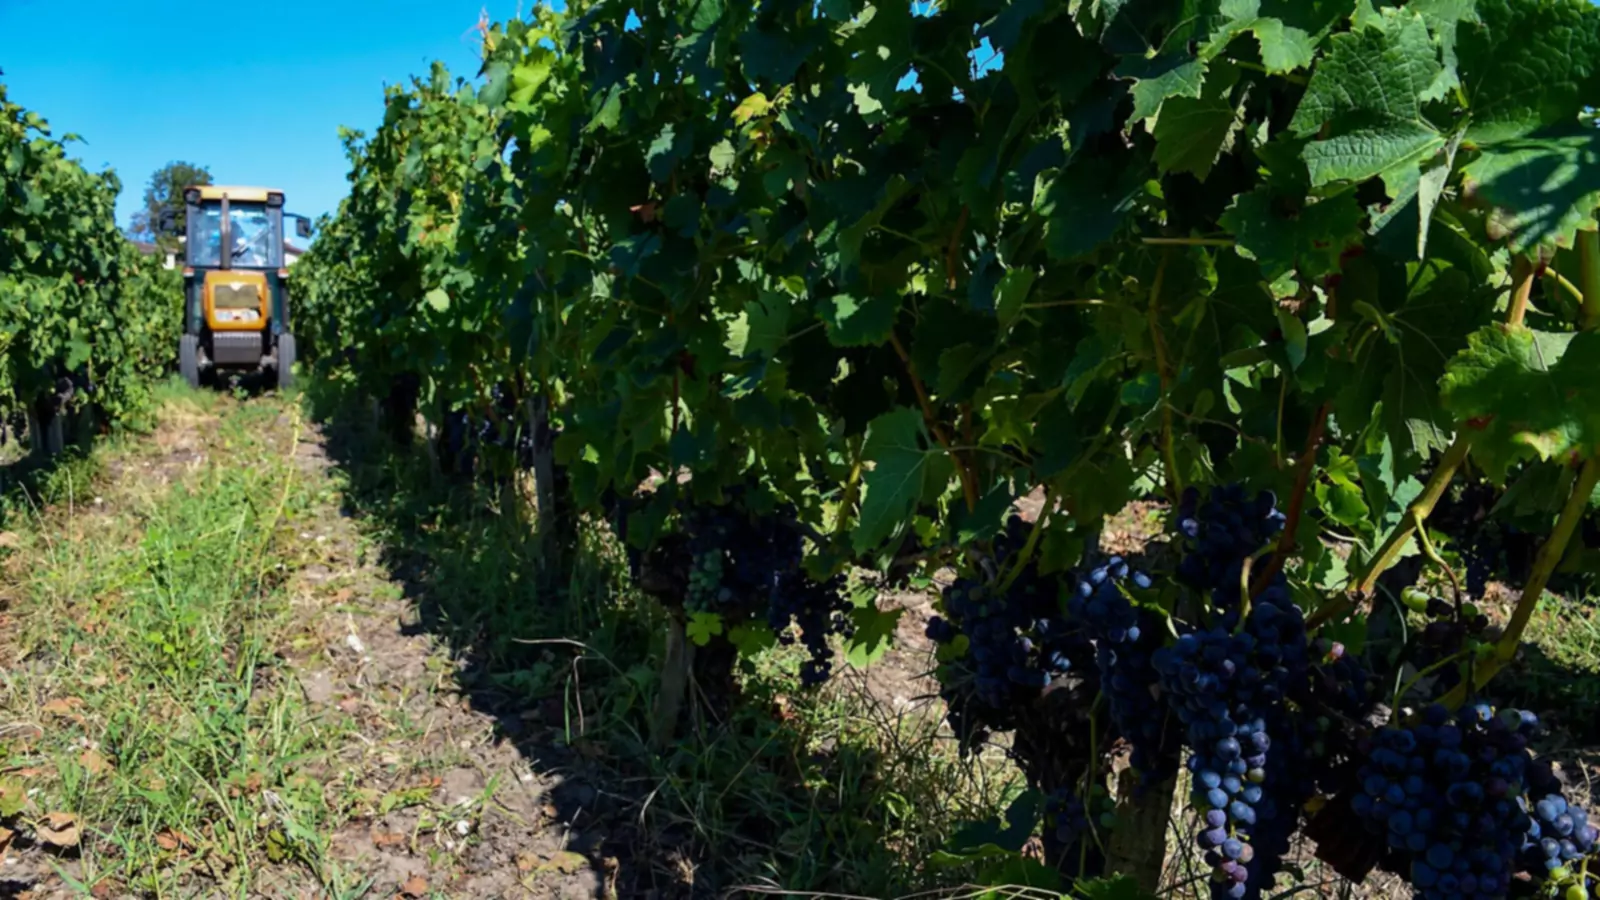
(236, 285)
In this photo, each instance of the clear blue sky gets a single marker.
(144, 83)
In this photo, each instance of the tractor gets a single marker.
(235, 282)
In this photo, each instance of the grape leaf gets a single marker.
(1310, 239)
(1515, 85)
(1368, 92)
(906, 464)
(1284, 48)
(1548, 184)
(1156, 79)
(1192, 134)
(1086, 204)
(702, 627)
(1526, 394)
(856, 322)
(873, 635)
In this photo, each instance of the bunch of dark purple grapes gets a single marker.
(1463, 802)
(1018, 641)
(1126, 637)
(1223, 531)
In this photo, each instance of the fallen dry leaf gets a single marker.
(10, 539)
(63, 706)
(59, 829)
(6, 836)
(388, 839)
(415, 886)
(94, 763)
(342, 595)
(103, 890)
(172, 840)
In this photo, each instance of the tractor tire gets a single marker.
(189, 359)
(285, 361)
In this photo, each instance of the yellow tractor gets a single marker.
(235, 282)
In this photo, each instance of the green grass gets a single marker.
(158, 617)
(144, 696)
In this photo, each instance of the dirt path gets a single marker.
(289, 731)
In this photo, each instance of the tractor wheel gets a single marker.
(285, 361)
(189, 359)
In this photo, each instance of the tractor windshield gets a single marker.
(255, 235)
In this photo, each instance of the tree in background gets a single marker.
(164, 191)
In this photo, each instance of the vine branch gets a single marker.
(1164, 370)
(1544, 564)
(1297, 503)
(969, 484)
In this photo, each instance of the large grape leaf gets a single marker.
(1309, 239)
(1086, 204)
(905, 464)
(1547, 184)
(1368, 93)
(1516, 85)
(1193, 132)
(1526, 394)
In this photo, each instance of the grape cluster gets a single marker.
(1222, 697)
(1231, 686)
(705, 583)
(1066, 816)
(1125, 639)
(1449, 793)
(1449, 632)
(1223, 531)
(1560, 836)
(820, 609)
(743, 563)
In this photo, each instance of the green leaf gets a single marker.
(874, 634)
(1342, 502)
(438, 299)
(1548, 184)
(1012, 293)
(1087, 204)
(858, 322)
(1526, 395)
(1368, 91)
(752, 638)
(702, 627)
(763, 328)
(1284, 48)
(1159, 78)
(1192, 134)
(905, 465)
(1527, 65)
(1310, 239)
(667, 150)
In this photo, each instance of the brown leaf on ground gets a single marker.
(170, 840)
(59, 829)
(6, 837)
(103, 890)
(10, 539)
(388, 839)
(63, 706)
(415, 886)
(342, 595)
(94, 763)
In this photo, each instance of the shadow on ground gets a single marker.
(808, 794)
